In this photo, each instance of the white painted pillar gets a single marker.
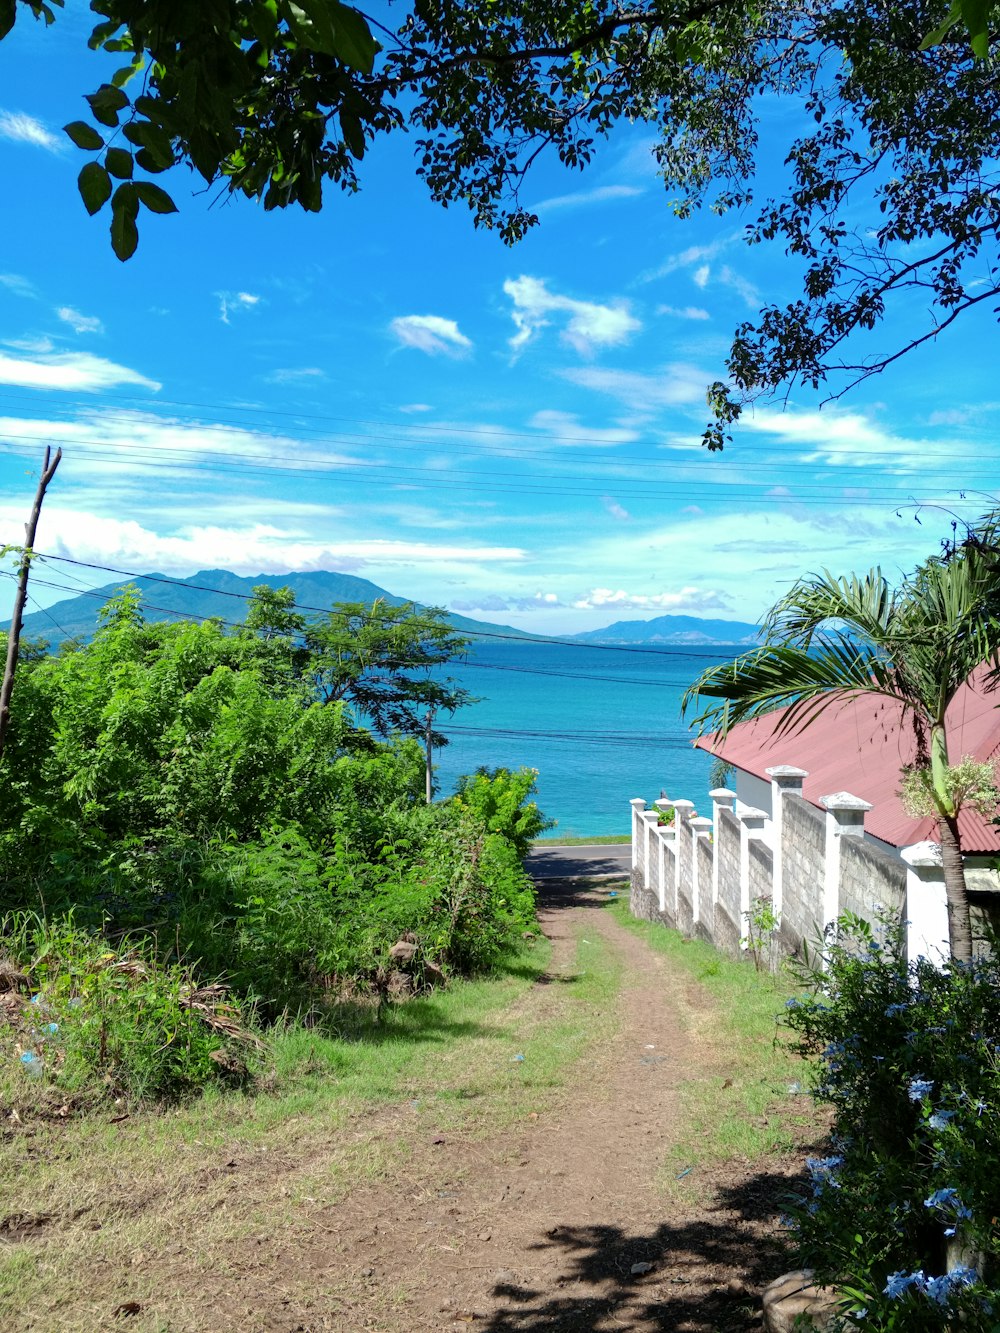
(649, 820)
(701, 828)
(682, 811)
(722, 799)
(927, 932)
(785, 778)
(752, 823)
(638, 805)
(845, 818)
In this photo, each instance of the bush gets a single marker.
(903, 1212)
(97, 1019)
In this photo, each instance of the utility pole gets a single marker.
(429, 748)
(14, 635)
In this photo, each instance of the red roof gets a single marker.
(859, 746)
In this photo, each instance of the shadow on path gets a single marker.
(706, 1274)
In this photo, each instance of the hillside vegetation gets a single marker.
(198, 840)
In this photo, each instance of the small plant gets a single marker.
(762, 923)
(665, 815)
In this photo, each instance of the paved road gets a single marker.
(609, 859)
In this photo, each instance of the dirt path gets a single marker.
(542, 1227)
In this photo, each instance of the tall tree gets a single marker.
(892, 188)
(831, 639)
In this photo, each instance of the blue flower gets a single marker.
(919, 1089)
(895, 1009)
(942, 1198)
(897, 1283)
(939, 1119)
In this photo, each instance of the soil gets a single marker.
(560, 1223)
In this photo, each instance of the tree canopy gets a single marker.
(891, 195)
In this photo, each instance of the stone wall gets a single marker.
(726, 923)
(705, 924)
(870, 879)
(803, 858)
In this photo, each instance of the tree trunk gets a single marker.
(959, 921)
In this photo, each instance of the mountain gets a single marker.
(217, 592)
(674, 629)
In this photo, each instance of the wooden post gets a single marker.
(14, 636)
(429, 746)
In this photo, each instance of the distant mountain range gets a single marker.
(674, 629)
(217, 592)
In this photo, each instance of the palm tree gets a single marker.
(831, 639)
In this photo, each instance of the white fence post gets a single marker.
(650, 818)
(845, 818)
(785, 778)
(927, 932)
(638, 805)
(701, 827)
(722, 799)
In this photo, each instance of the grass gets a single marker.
(121, 1199)
(747, 1103)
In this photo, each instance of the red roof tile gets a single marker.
(860, 747)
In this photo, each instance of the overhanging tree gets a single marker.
(892, 190)
(832, 639)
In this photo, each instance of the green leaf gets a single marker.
(356, 46)
(334, 30)
(155, 199)
(8, 13)
(354, 135)
(94, 185)
(124, 233)
(119, 162)
(148, 162)
(84, 135)
(144, 134)
(127, 72)
(106, 103)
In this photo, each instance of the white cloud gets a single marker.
(615, 509)
(589, 326)
(683, 312)
(79, 323)
(838, 438)
(295, 375)
(677, 385)
(431, 334)
(77, 372)
(701, 275)
(686, 599)
(21, 128)
(740, 285)
(411, 408)
(584, 198)
(695, 256)
(565, 428)
(17, 284)
(231, 303)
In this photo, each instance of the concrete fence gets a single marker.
(710, 875)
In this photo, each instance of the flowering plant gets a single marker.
(903, 1214)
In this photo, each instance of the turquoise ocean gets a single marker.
(600, 725)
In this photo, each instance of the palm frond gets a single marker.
(865, 603)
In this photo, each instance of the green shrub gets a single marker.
(114, 1020)
(903, 1211)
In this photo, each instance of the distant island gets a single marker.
(674, 629)
(219, 593)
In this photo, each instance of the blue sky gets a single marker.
(381, 389)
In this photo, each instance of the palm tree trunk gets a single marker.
(959, 921)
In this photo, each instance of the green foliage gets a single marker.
(498, 798)
(113, 1020)
(762, 924)
(966, 783)
(903, 1212)
(204, 794)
